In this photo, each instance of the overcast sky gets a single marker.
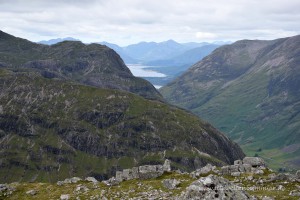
(129, 21)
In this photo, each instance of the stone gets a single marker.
(204, 170)
(135, 172)
(298, 174)
(236, 174)
(170, 183)
(280, 187)
(119, 176)
(3, 187)
(81, 188)
(267, 198)
(234, 168)
(64, 197)
(111, 181)
(282, 177)
(250, 178)
(150, 171)
(258, 171)
(247, 168)
(295, 193)
(272, 177)
(68, 181)
(254, 161)
(75, 179)
(167, 166)
(225, 170)
(238, 162)
(31, 192)
(91, 179)
(129, 174)
(213, 187)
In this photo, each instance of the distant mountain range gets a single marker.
(249, 90)
(57, 40)
(72, 109)
(168, 57)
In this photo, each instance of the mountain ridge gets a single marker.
(248, 90)
(92, 64)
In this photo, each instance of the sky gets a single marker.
(126, 22)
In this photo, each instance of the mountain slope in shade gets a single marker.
(250, 90)
(92, 64)
(51, 129)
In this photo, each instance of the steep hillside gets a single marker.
(51, 129)
(93, 64)
(250, 90)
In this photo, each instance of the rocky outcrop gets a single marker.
(91, 179)
(247, 165)
(174, 185)
(204, 170)
(254, 161)
(141, 172)
(170, 183)
(213, 187)
(6, 190)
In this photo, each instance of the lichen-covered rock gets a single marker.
(213, 187)
(254, 161)
(64, 197)
(295, 193)
(150, 171)
(68, 181)
(167, 165)
(81, 188)
(6, 190)
(141, 172)
(31, 192)
(225, 170)
(267, 198)
(91, 179)
(236, 174)
(298, 174)
(204, 170)
(170, 183)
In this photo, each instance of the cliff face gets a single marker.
(51, 129)
(92, 64)
(248, 90)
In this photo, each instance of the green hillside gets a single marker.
(51, 129)
(250, 91)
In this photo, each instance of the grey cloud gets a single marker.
(128, 21)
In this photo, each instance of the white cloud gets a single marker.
(129, 21)
(205, 35)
